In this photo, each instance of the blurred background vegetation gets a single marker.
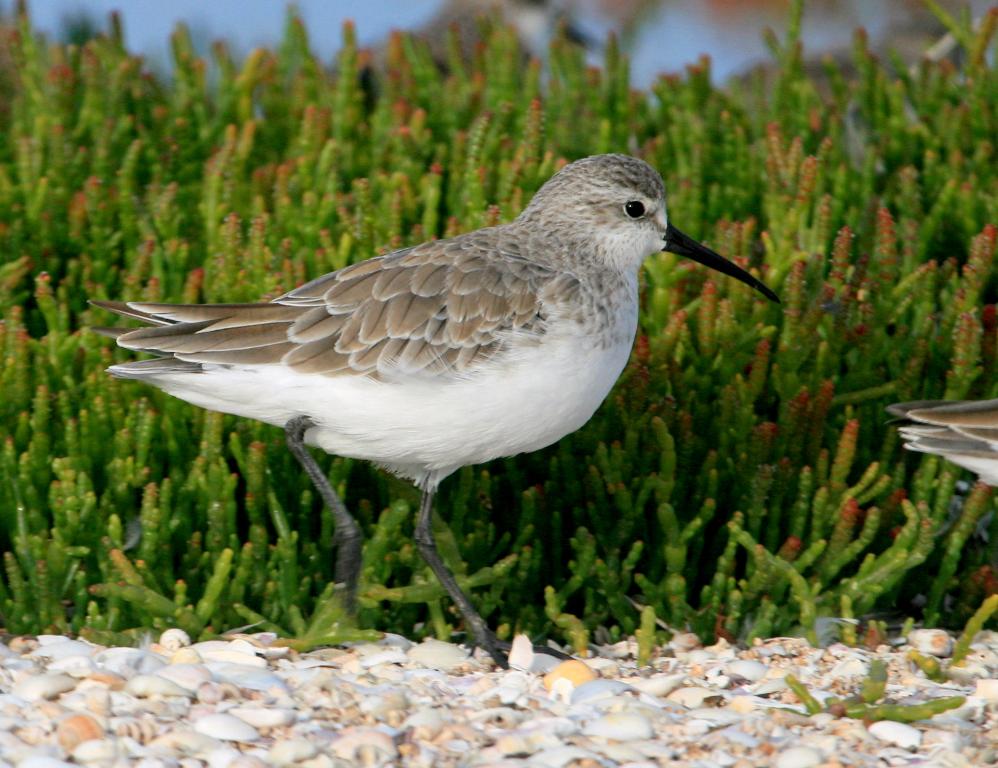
(741, 480)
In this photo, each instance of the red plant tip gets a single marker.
(989, 317)
(642, 349)
(851, 511)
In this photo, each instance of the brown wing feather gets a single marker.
(442, 307)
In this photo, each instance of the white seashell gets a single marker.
(366, 745)
(798, 757)
(769, 685)
(274, 652)
(174, 639)
(620, 726)
(742, 704)
(698, 656)
(385, 656)
(379, 706)
(425, 722)
(223, 757)
(74, 666)
(514, 744)
(987, 689)
(625, 753)
(185, 742)
(244, 676)
(43, 761)
(145, 686)
(185, 656)
(849, 668)
(325, 761)
(935, 642)
(604, 667)
(898, 734)
(656, 685)
(232, 656)
(396, 641)
(939, 739)
(155, 762)
(143, 730)
(225, 727)
(682, 642)
(692, 697)
(102, 751)
(504, 717)
(44, 686)
(747, 669)
(521, 653)
(290, 751)
(264, 717)
(438, 655)
(187, 676)
(97, 701)
(247, 761)
(561, 690)
(61, 648)
(544, 663)
(128, 661)
(595, 690)
(967, 673)
(209, 693)
(559, 756)
(389, 673)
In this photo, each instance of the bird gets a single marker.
(451, 353)
(964, 432)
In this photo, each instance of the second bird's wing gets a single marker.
(964, 432)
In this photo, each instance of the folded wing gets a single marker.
(440, 308)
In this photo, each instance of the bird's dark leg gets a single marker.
(348, 536)
(482, 635)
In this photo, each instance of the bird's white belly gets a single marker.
(425, 428)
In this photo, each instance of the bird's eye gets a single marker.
(634, 208)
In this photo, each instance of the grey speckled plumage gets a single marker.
(434, 357)
(964, 432)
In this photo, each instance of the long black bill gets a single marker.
(684, 245)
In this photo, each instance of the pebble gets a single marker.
(245, 702)
(226, 727)
(798, 757)
(620, 726)
(692, 697)
(987, 689)
(898, 734)
(521, 653)
(935, 642)
(291, 751)
(174, 639)
(753, 671)
(45, 686)
(146, 686)
(598, 689)
(437, 655)
(190, 677)
(264, 717)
